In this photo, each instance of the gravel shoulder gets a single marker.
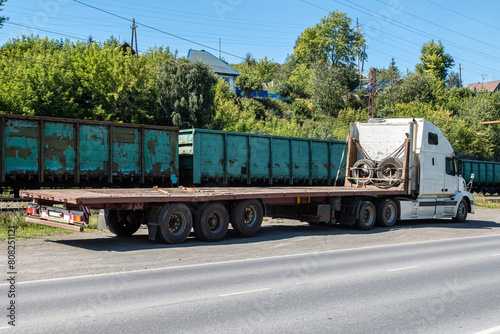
(98, 253)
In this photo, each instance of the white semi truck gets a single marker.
(396, 169)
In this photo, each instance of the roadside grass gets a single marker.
(25, 230)
(487, 202)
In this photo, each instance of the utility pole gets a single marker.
(220, 49)
(371, 100)
(460, 75)
(134, 34)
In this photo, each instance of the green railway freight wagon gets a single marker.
(227, 158)
(486, 175)
(57, 152)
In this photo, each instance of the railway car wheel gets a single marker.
(174, 223)
(366, 217)
(212, 222)
(461, 212)
(362, 171)
(246, 217)
(124, 223)
(387, 213)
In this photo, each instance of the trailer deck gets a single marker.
(137, 198)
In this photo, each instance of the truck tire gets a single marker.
(390, 169)
(123, 223)
(362, 171)
(212, 222)
(366, 216)
(387, 213)
(174, 223)
(246, 217)
(462, 210)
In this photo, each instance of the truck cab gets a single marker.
(434, 186)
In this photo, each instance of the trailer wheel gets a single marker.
(174, 223)
(387, 213)
(389, 170)
(124, 223)
(367, 215)
(212, 222)
(462, 209)
(362, 171)
(246, 217)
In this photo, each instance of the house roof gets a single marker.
(490, 86)
(217, 65)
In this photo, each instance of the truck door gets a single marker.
(446, 203)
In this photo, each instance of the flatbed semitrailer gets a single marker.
(397, 169)
(170, 212)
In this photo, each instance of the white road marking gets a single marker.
(494, 330)
(243, 292)
(249, 260)
(496, 254)
(398, 269)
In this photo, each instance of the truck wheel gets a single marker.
(461, 212)
(246, 217)
(367, 216)
(212, 223)
(387, 213)
(123, 223)
(174, 223)
(362, 171)
(390, 168)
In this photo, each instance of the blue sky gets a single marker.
(469, 30)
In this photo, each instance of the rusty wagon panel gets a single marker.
(229, 158)
(55, 152)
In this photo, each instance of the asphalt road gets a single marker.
(432, 276)
(447, 286)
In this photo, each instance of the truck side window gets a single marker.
(432, 138)
(450, 166)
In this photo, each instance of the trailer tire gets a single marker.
(462, 210)
(387, 213)
(246, 217)
(123, 223)
(366, 216)
(390, 169)
(212, 222)
(174, 223)
(362, 171)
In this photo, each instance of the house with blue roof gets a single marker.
(223, 70)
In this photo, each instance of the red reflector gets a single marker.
(61, 214)
(75, 218)
(32, 211)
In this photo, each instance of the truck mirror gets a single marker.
(472, 176)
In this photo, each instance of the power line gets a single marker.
(418, 31)
(438, 25)
(458, 13)
(158, 30)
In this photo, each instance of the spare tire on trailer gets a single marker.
(124, 223)
(390, 171)
(362, 171)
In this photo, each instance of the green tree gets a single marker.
(2, 18)
(330, 85)
(248, 83)
(391, 73)
(186, 93)
(416, 87)
(453, 80)
(332, 41)
(434, 60)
